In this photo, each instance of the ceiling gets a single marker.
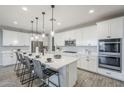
(69, 16)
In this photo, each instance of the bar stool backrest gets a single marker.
(38, 68)
(17, 55)
(27, 62)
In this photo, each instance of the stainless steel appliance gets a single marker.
(110, 53)
(70, 42)
(35, 44)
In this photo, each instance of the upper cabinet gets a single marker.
(111, 28)
(12, 38)
(89, 36)
(86, 36)
(59, 39)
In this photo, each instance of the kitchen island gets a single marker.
(66, 66)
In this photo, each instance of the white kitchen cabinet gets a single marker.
(59, 39)
(117, 28)
(13, 38)
(112, 28)
(10, 38)
(8, 58)
(79, 63)
(89, 36)
(24, 39)
(111, 74)
(84, 63)
(92, 64)
(88, 63)
(86, 36)
(103, 29)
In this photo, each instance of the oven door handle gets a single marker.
(118, 56)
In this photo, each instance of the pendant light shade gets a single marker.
(32, 37)
(52, 20)
(52, 33)
(36, 36)
(43, 35)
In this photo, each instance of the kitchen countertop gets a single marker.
(56, 63)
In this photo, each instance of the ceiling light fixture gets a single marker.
(24, 8)
(36, 36)
(52, 33)
(91, 11)
(52, 20)
(32, 37)
(43, 35)
(15, 22)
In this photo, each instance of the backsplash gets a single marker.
(81, 49)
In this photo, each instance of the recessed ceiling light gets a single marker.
(91, 11)
(15, 22)
(58, 23)
(24, 8)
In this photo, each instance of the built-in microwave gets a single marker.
(110, 54)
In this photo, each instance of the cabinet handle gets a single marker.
(87, 60)
(108, 36)
(108, 73)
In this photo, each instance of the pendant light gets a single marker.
(43, 35)
(52, 20)
(32, 37)
(36, 36)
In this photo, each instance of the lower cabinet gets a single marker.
(88, 63)
(8, 59)
(111, 74)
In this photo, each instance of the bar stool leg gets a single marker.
(29, 80)
(15, 65)
(58, 79)
(48, 81)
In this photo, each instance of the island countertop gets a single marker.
(56, 63)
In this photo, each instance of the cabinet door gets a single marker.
(103, 30)
(24, 39)
(84, 63)
(92, 64)
(90, 36)
(10, 38)
(59, 39)
(21, 39)
(116, 28)
(8, 59)
(27, 39)
(79, 63)
(110, 73)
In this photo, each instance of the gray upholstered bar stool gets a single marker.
(45, 73)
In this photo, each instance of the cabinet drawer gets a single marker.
(112, 74)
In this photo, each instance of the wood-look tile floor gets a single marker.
(89, 79)
(85, 79)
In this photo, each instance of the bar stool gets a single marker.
(28, 70)
(45, 73)
(17, 67)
